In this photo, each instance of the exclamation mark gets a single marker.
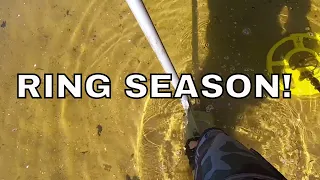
(286, 85)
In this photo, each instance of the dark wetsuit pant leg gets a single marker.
(219, 157)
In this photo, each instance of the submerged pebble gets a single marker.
(209, 108)
(99, 129)
(107, 167)
(132, 178)
(4, 24)
(246, 31)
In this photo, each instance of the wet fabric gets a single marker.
(219, 157)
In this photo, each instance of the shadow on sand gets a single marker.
(239, 35)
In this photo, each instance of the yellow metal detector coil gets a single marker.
(299, 87)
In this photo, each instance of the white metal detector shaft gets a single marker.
(140, 12)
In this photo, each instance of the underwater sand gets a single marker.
(58, 139)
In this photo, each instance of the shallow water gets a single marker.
(58, 139)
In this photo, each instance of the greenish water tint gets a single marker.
(123, 138)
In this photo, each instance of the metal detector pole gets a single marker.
(139, 11)
(141, 14)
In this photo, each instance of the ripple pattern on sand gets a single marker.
(285, 132)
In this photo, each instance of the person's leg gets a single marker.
(218, 156)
